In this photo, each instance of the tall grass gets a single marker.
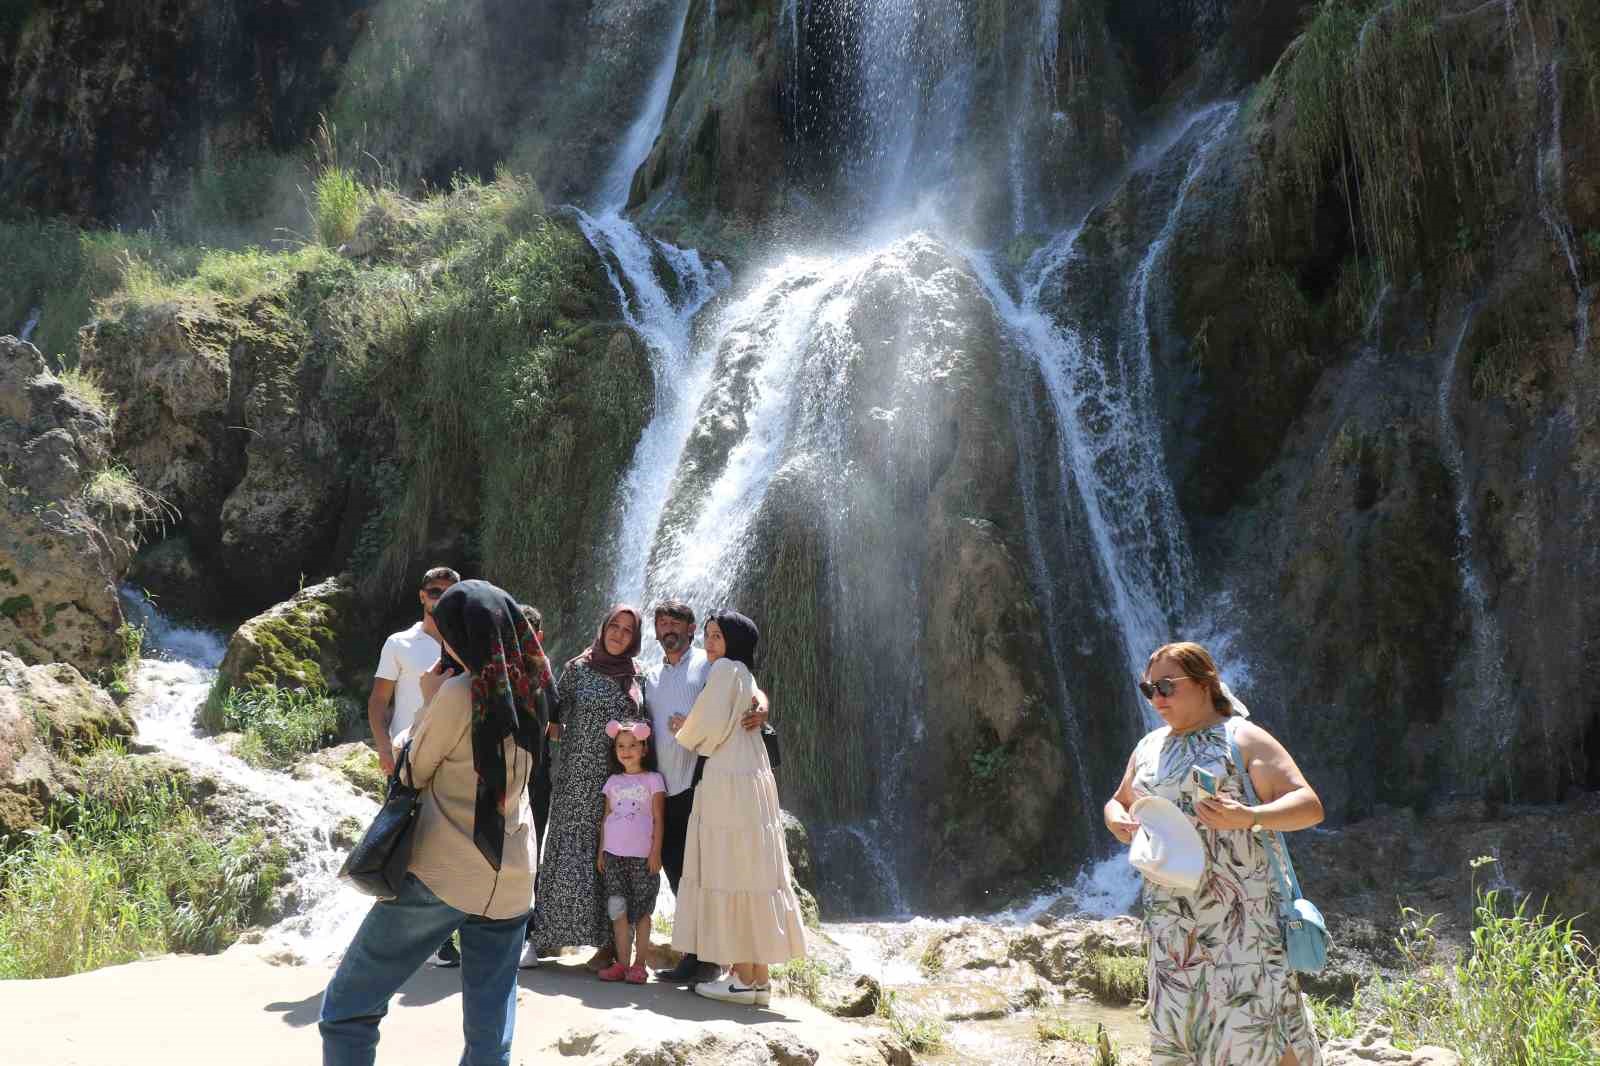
(125, 871)
(279, 725)
(339, 198)
(1527, 993)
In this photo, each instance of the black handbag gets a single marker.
(377, 864)
(769, 737)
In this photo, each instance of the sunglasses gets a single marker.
(433, 592)
(1166, 686)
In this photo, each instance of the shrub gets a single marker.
(339, 198)
(1118, 978)
(802, 977)
(125, 871)
(279, 725)
(1526, 993)
(88, 387)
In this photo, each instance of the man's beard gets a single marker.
(671, 642)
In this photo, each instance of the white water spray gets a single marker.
(169, 686)
(25, 334)
(1487, 688)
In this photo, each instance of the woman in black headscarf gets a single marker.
(736, 898)
(471, 752)
(598, 686)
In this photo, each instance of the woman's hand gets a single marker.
(675, 723)
(1122, 826)
(600, 862)
(1223, 812)
(756, 716)
(653, 863)
(436, 676)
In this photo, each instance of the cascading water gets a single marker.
(1038, 76)
(1484, 669)
(1109, 449)
(1550, 168)
(632, 260)
(169, 686)
(26, 332)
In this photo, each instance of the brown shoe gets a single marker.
(601, 959)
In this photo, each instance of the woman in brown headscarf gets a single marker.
(598, 686)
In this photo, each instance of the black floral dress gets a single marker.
(569, 905)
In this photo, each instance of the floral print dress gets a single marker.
(1220, 990)
(568, 904)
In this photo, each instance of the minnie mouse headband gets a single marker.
(640, 730)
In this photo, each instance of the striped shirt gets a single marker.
(670, 690)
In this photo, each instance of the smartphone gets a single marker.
(1206, 780)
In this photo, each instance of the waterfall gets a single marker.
(1038, 73)
(1549, 173)
(169, 686)
(1109, 447)
(1481, 679)
(633, 264)
(26, 332)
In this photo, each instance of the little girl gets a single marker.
(630, 845)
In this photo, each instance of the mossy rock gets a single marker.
(295, 644)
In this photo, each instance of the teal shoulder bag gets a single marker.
(1305, 934)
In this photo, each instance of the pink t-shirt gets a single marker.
(630, 826)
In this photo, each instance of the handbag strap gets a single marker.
(1283, 874)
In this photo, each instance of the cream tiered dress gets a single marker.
(736, 901)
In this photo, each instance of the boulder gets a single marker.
(1375, 1045)
(49, 715)
(295, 644)
(67, 520)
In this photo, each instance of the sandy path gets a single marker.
(240, 1010)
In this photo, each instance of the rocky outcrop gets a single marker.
(1376, 1045)
(221, 412)
(48, 715)
(67, 517)
(299, 643)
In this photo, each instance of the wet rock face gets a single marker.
(47, 715)
(222, 414)
(114, 103)
(66, 533)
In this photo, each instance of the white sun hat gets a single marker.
(1167, 849)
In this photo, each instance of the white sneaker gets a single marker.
(728, 990)
(530, 957)
(763, 995)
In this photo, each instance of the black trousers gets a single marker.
(676, 835)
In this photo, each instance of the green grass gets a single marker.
(921, 1033)
(1335, 1021)
(114, 491)
(278, 725)
(88, 387)
(125, 871)
(801, 977)
(1051, 1028)
(339, 198)
(1118, 978)
(1526, 992)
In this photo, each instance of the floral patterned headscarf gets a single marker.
(486, 628)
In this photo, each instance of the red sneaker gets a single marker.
(615, 972)
(637, 975)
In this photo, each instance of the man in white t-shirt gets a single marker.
(407, 655)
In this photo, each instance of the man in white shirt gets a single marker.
(406, 656)
(670, 689)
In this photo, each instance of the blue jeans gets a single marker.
(396, 938)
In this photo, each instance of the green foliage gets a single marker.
(237, 192)
(987, 764)
(279, 725)
(127, 870)
(1333, 1020)
(362, 769)
(87, 387)
(1118, 978)
(932, 961)
(923, 1033)
(339, 199)
(1527, 992)
(802, 977)
(1407, 114)
(1054, 1027)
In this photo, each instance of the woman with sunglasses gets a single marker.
(1220, 992)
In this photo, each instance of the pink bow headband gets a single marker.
(640, 730)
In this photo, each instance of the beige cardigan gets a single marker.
(444, 857)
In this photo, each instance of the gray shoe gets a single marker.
(707, 971)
